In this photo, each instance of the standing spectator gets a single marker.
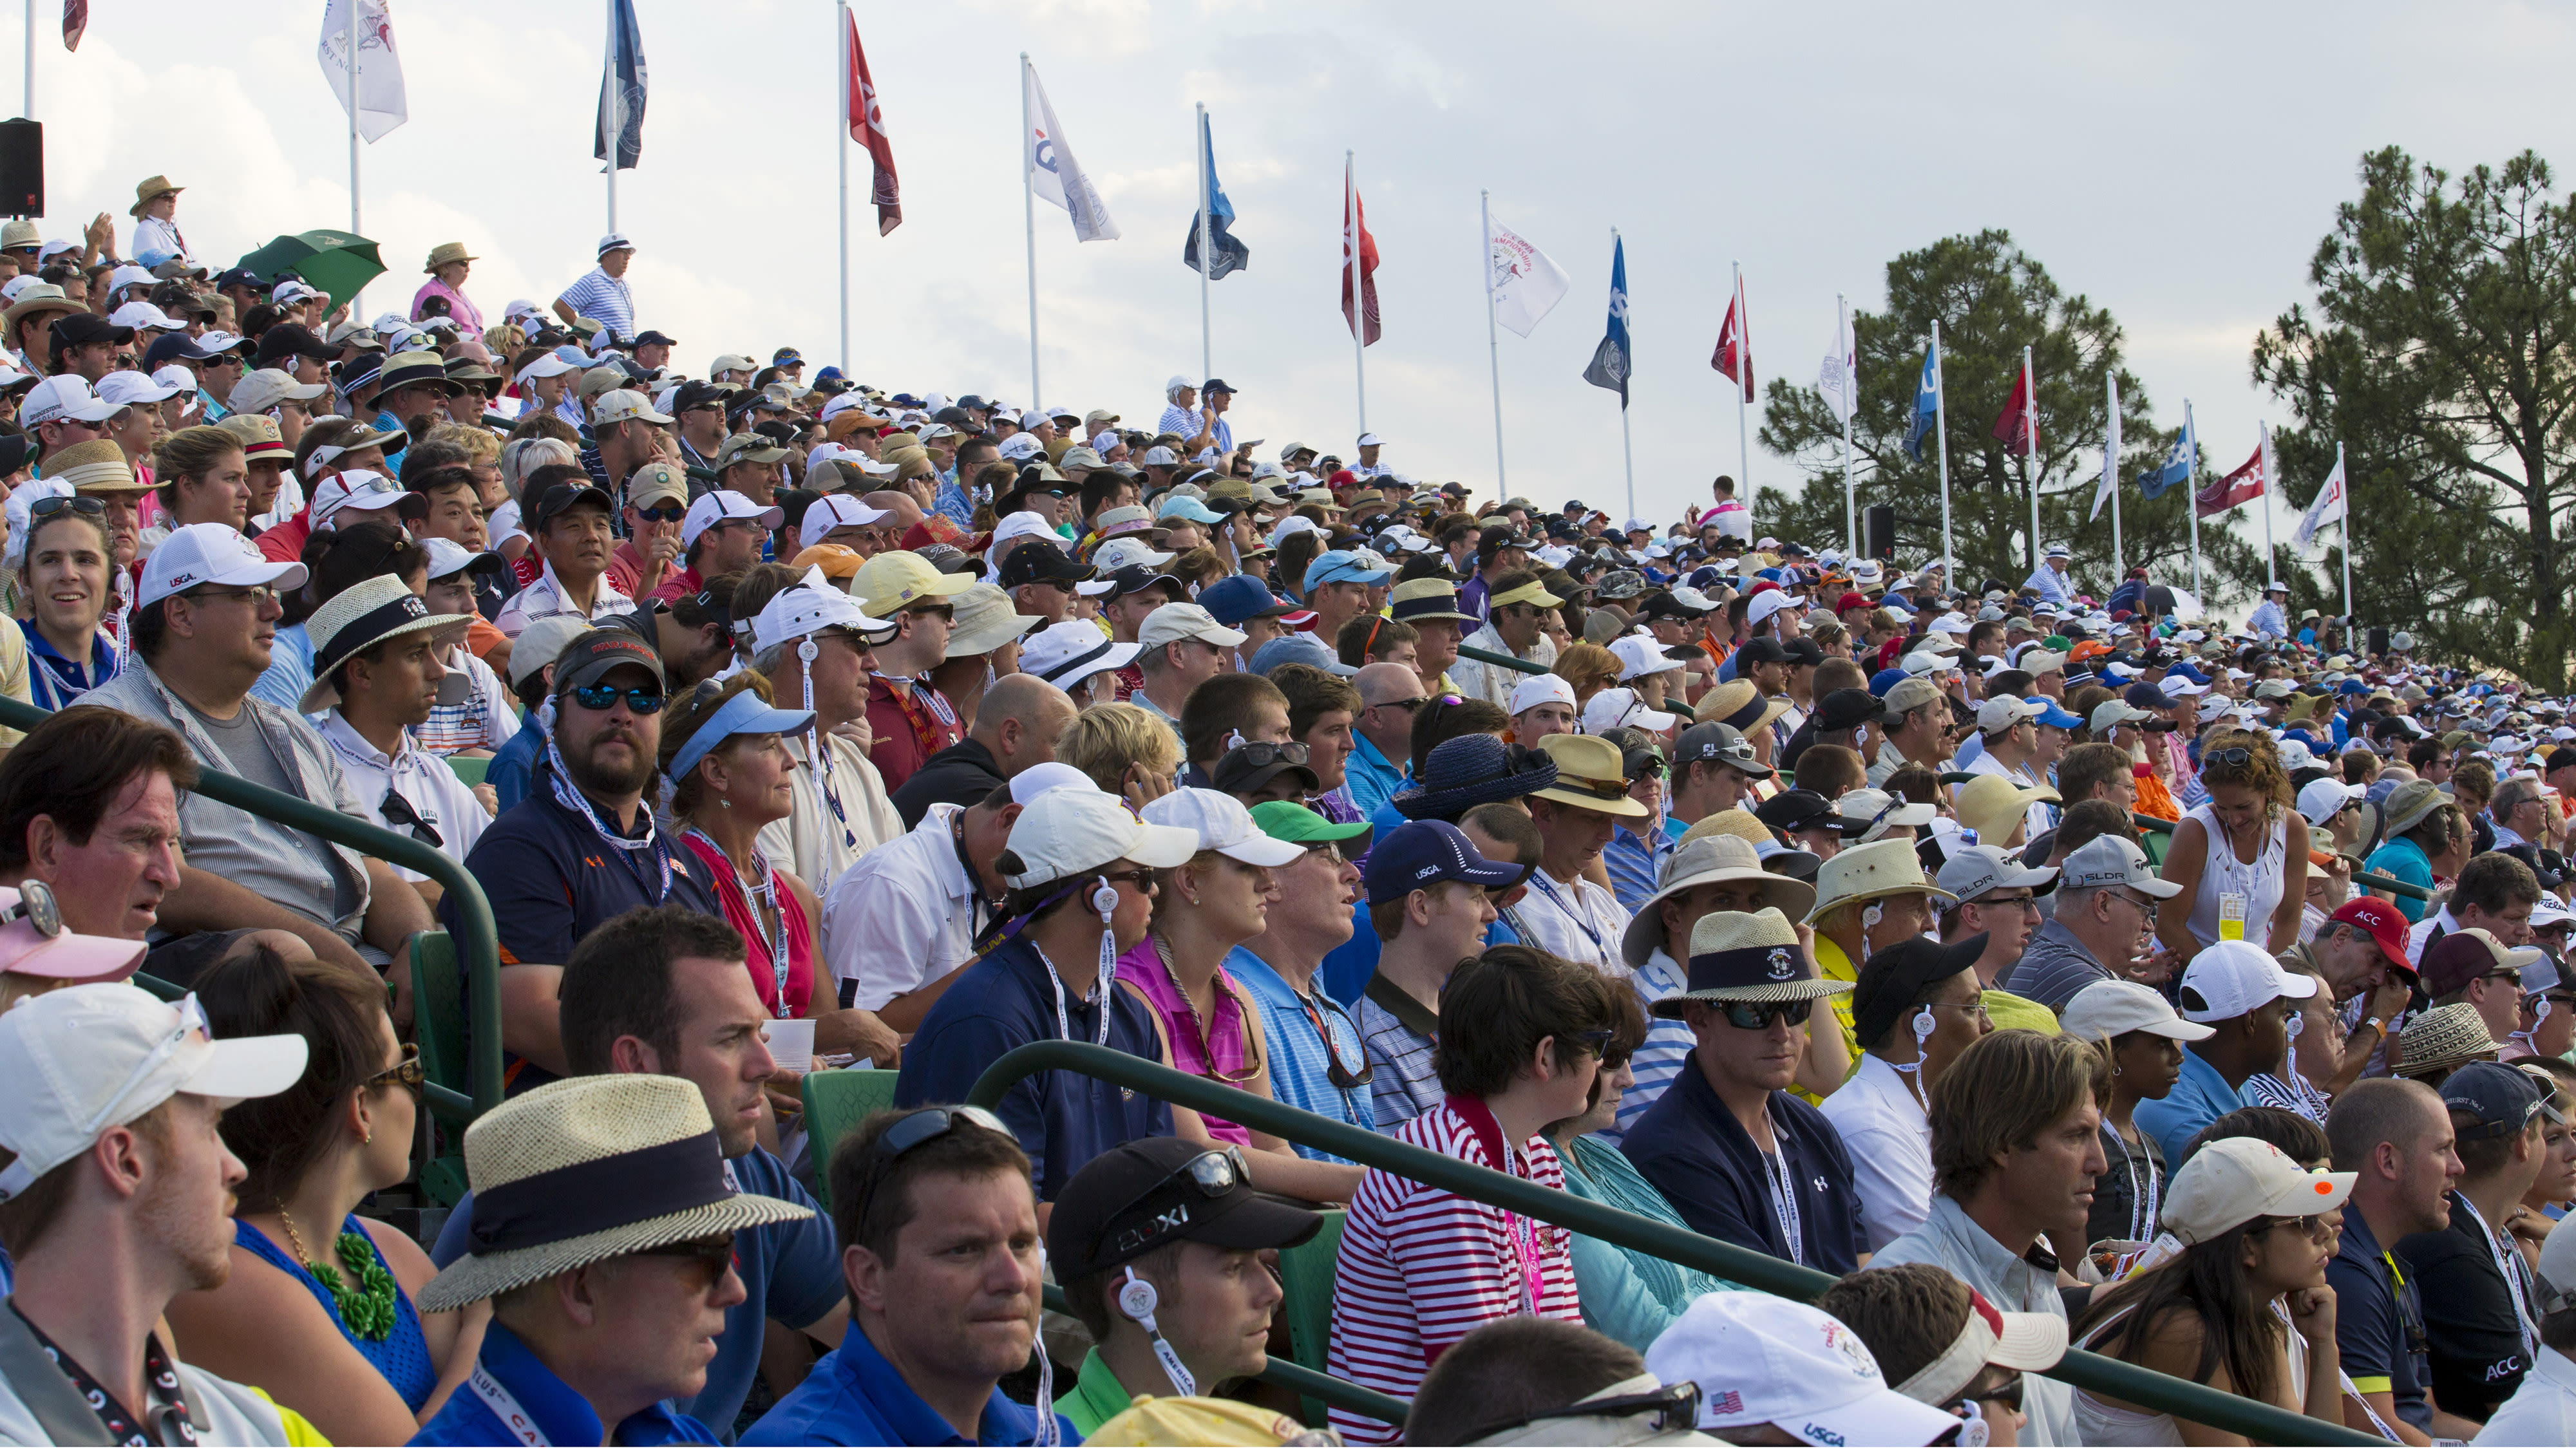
(1917, 1007)
(2246, 998)
(1430, 897)
(2427, 839)
(2230, 855)
(602, 293)
(2136, 1028)
(448, 266)
(2479, 1298)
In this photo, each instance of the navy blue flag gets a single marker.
(1927, 403)
(621, 91)
(1231, 255)
(2177, 467)
(1610, 360)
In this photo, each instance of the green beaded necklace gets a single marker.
(367, 1309)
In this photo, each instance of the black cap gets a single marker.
(240, 276)
(1805, 652)
(1762, 649)
(173, 347)
(1896, 978)
(1136, 578)
(1797, 809)
(1216, 384)
(591, 656)
(1236, 774)
(698, 394)
(654, 339)
(565, 495)
(79, 329)
(1149, 1193)
(288, 339)
(1849, 709)
(1041, 562)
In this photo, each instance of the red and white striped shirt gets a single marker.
(1420, 1268)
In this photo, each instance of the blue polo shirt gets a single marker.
(1062, 1118)
(2404, 860)
(1300, 1071)
(511, 763)
(790, 1271)
(2199, 1098)
(1373, 778)
(855, 1396)
(2379, 1322)
(1708, 1166)
(553, 1408)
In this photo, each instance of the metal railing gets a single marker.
(2367, 879)
(1322, 1387)
(1505, 661)
(478, 943)
(2103, 1376)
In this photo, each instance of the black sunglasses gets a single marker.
(401, 814)
(1261, 755)
(641, 699)
(1758, 1015)
(668, 513)
(1210, 1175)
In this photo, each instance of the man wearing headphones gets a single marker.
(1159, 1245)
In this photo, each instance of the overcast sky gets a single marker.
(2177, 165)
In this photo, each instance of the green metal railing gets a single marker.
(2090, 1371)
(1506, 661)
(1322, 1387)
(2367, 879)
(478, 943)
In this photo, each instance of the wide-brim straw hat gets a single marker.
(445, 252)
(1872, 871)
(2442, 1038)
(41, 298)
(1753, 957)
(1709, 860)
(580, 1171)
(1589, 775)
(149, 190)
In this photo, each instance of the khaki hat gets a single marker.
(624, 405)
(1732, 824)
(541, 643)
(20, 234)
(553, 1175)
(2239, 1179)
(748, 447)
(42, 297)
(599, 381)
(1526, 593)
(1710, 860)
(656, 483)
(258, 435)
(1990, 803)
(1872, 871)
(94, 467)
(2443, 1038)
(444, 253)
(898, 578)
(1750, 956)
(149, 190)
(1589, 775)
(2408, 804)
(985, 621)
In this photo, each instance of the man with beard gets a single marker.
(582, 848)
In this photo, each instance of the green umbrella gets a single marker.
(338, 262)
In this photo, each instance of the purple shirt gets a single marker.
(1219, 1053)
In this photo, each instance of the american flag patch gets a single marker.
(1727, 1404)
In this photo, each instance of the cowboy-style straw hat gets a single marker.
(445, 252)
(579, 1171)
(1739, 703)
(1709, 860)
(1872, 871)
(1589, 775)
(149, 190)
(39, 297)
(1755, 958)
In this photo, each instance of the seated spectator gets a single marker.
(1382, 732)
(1421, 1267)
(2440, 1041)
(89, 808)
(663, 992)
(1945, 1345)
(118, 1185)
(2016, 1126)
(582, 848)
(604, 1297)
(942, 1254)
(2476, 967)
(1220, 710)
(1123, 750)
(1537, 1380)
(841, 813)
(318, 1304)
(1160, 1244)
(1430, 897)
(2360, 954)
(2426, 838)
(2243, 1306)
(2477, 1290)
(909, 719)
(1318, 1061)
(1180, 646)
(1918, 1006)
(377, 677)
(1816, 1381)
(339, 558)
(2555, 1187)
(1997, 897)
(569, 526)
(201, 614)
(1742, 1159)
(2106, 901)
(2136, 1028)
(532, 660)
(1566, 913)
(1016, 724)
(2543, 1409)
(2245, 997)
(2395, 1138)
(2545, 1026)
(1869, 896)
(64, 551)
(473, 716)
(1080, 870)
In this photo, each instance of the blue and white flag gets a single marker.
(621, 90)
(1053, 173)
(1231, 255)
(2177, 467)
(1610, 360)
(1927, 403)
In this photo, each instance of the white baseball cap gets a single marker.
(1120, 553)
(1640, 655)
(2236, 977)
(723, 504)
(1065, 832)
(77, 1061)
(1539, 689)
(1762, 1359)
(1765, 604)
(550, 365)
(210, 553)
(810, 606)
(1621, 708)
(837, 510)
(1997, 715)
(361, 491)
(122, 389)
(1221, 823)
(1972, 870)
(64, 397)
(1037, 779)
(2237, 1179)
(624, 404)
(143, 316)
(1019, 525)
(2113, 1008)
(2322, 799)
(1065, 654)
(2108, 860)
(1174, 622)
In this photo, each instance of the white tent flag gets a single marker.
(381, 106)
(1527, 282)
(1056, 176)
(2110, 456)
(1838, 377)
(2329, 504)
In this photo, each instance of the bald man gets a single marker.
(1015, 727)
(1382, 735)
(906, 513)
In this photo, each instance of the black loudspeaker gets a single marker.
(2378, 641)
(1882, 534)
(22, 168)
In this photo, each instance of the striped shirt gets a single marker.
(485, 720)
(1405, 1085)
(1421, 1268)
(1632, 860)
(1668, 1043)
(604, 299)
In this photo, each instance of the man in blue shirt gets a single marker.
(942, 1257)
(1318, 1061)
(2246, 998)
(1080, 870)
(665, 992)
(1382, 735)
(625, 1170)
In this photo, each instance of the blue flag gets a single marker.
(2177, 467)
(1231, 255)
(1927, 404)
(621, 91)
(1610, 360)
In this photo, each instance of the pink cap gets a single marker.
(27, 949)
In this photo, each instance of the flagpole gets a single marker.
(2191, 475)
(616, 112)
(2118, 572)
(2030, 460)
(1851, 380)
(1941, 445)
(1359, 280)
(1029, 217)
(841, 149)
(1744, 366)
(1494, 341)
(1627, 455)
(1207, 257)
(2271, 575)
(30, 111)
(2347, 540)
(356, 309)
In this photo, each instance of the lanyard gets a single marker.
(2508, 1264)
(1783, 1188)
(979, 906)
(515, 1420)
(2146, 1185)
(165, 1407)
(767, 894)
(818, 758)
(1063, 1022)
(1581, 918)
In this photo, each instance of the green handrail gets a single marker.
(2092, 1372)
(1322, 1387)
(478, 941)
(2367, 879)
(1505, 661)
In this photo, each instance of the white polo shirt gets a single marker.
(903, 916)
(444, 802)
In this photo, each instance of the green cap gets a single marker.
(1286, 819)
(2057, 643)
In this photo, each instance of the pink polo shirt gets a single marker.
(1221, 1054)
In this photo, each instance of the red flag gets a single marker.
(1734, 355)
(2016, 427)
(75, 20)
(1356, 242)
(867, 127)
(2241, 486)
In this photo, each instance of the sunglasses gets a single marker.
(1342, 1077)
(400, 813)
(2228, 758)
(1145, 881)
(407, 1073)
(49, 507)
(1758, 1015)
(1407, 705)
(1210, 1175)
(2008, 1392)
(712, 1254)
(668, 513)
(1261, 755)
(640, 699)
(2316, 1229)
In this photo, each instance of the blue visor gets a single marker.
(744, 713)
(2055, 718)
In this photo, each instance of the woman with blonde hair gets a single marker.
(1124, 750)
(2231, 855)
(201, 476)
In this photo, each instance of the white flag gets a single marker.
(1527, 282)
(1055, 175)
(2110, 455)
(1838, 376)
(2330, 502)
(380, 80)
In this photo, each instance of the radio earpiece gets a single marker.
(1104, 901)
(1923, 1026)
(1137, 1301)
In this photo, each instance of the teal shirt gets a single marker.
(1628, 1296)
(2404, 860)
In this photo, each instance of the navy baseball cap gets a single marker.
(1230, 601)
(2504, 1099)
(2145, 696)
(1423, 853)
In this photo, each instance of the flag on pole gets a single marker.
(621, 91)
(1838, 376)
(1927, 404)
(1526, 282)
(2015, 428)
(380, 79)
(1359, 258)
(1610, 360)
(75, 20)
(867, 127)
(2176, 469)
(1056, 176)
(2110, 455)
(2241, 486)
(1231, 255)
(1734, 355)
(2330, 502)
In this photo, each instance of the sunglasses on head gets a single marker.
(640, 699)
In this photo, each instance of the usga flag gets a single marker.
(867, 127)
(381, 106)
(1527, 283)
(2331, 502)
(2241, 486)
(1838, 376)
(2110, 454)
(1055, 175)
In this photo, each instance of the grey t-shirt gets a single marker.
(248, 751)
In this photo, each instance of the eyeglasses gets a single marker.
(1261, 754)
(640, 699)
(400, 813)
(1342, 1077)
(44, 508)
(407, 1073)
(1407, 705)
(1330, 850)
(2316, 1229)
(2023, 901)
(1212, 1175)
(2147, 909)
(668, 513)
(1758, 1015)
(258, 598)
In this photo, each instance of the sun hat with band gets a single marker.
(93, 467)
(585, 1170)
(80, 1060)
(1874, 871)
(1590, 775)
(1749, 957)
(357, 619)
(34, 942)
(1473, 769)
(1761, 1360)
(1709, 860)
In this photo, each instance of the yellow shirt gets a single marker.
(1832, 964)
(2012, 1012)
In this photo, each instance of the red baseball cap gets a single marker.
(1851, 601)
(2384, 923)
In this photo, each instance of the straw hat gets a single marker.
(2442, 1039)
(356, 619)
(98, 466)
(1990, 803)
(1747, 956)
(445, 252)
(1872, 871)
(1709, 860)
(1589, 775)
(149, 190)
(1730, 824)
(39, 298)
(579, 1171)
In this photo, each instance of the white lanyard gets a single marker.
(1783, 1188)
(752, 899)
(1581, 917)
(1063, 1022)
(515, 1420)
(2508, 1264)
(2145, 1185)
